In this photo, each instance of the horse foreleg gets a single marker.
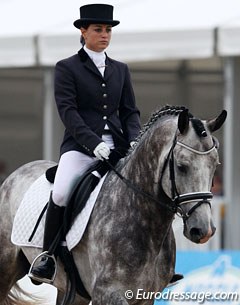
(78, 300)
(170, 246)
(60, 297)
(13, 266)
(102, 296)
(167, 259)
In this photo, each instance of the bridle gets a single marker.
(178, 200)
(173, 204)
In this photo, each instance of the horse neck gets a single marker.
(144, 164)
(143, 167)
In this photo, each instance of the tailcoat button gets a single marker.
(103, 85)
(105, 95)
(104, 106)
(105, 117)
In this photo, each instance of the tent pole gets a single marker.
(48, 115)
(232, 152)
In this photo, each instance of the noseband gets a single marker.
(173, 204)
(177, 200)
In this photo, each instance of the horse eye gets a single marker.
(182, 168)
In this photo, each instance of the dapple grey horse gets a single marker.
(129, 242)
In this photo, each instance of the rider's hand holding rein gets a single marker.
(102, 151)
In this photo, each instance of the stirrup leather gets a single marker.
(40, 279)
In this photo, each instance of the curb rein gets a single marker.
(174, 204)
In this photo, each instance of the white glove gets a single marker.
(102, 151)
(133, 143)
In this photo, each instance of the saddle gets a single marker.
(85, 185)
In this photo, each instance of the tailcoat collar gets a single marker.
(86, 60)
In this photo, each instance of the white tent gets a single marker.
(33, 34)
(229, 38)
(39, 34)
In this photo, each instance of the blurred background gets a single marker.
(179, 52)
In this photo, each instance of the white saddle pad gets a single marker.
(32, 205)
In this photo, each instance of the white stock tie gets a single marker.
(98, 58)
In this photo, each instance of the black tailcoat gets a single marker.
(86, 101)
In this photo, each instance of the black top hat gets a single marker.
(95, 13)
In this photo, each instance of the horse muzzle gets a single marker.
(198, 228)
(199, 235)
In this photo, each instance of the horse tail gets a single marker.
(17, 296)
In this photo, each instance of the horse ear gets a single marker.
(183, 121)
(216, 123)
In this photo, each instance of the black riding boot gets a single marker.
(44, 270)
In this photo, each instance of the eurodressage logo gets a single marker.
(218, 283)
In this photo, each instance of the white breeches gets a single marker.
(72, 165)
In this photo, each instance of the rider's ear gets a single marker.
(183, 121)
(216, 123)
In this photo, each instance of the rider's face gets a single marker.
(97, 36)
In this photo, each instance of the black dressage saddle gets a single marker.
(85, 185)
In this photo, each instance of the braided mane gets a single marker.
(174, 111)
(166, 110)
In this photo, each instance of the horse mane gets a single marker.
(172, 111)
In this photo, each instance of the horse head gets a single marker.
(189, 166)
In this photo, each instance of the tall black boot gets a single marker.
(44, 270)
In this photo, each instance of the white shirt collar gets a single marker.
(97, 57)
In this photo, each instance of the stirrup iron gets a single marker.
(40, 279)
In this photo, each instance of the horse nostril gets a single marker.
(196, 232)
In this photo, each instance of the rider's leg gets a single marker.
(44, 270)
(71, 165)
